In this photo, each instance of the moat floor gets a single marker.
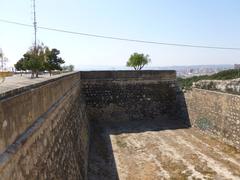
(134, 151)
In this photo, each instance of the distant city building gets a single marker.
(198, 70)
(236, 66)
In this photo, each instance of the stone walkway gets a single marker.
(136, 152)
(18, 81)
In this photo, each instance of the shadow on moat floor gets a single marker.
(102, 164)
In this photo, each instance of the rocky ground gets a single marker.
(228, 86)
(159, 150)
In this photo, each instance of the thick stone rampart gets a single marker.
(44, 127)
(46, 135)
(129, 95)
(20, 107)
(215, 112)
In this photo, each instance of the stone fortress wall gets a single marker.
(215, 112)
(129, 95)
(45, 128)
(44, 131)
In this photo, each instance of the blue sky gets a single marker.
(213, 23)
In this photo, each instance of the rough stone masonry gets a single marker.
(44, 131)
(55, 129)
(129, 95)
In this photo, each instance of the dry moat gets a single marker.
(110, 125)
(153, 150)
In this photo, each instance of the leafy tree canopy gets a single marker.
(53, 62)
(138, 61)
(40, 58)
(69, 68)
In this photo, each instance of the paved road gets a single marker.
(130, 152)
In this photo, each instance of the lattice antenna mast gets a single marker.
(35, 24)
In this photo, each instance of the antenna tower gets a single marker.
(35, 24)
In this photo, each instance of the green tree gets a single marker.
(20, 66)
(53, 62)
(34, 59)
(138, 61)
(69, 68)
(1, 54)
(40, 58)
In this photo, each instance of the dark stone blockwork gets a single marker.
(129, 95)
(49, 137)
(45, 131)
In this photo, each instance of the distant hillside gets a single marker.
(150, 67)
(223, 75)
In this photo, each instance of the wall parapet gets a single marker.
(20, 107)
(121, 75)
(30, 86)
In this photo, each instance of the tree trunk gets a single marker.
(32, 75)
(36, 74)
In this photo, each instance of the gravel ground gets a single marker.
(133, 151)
